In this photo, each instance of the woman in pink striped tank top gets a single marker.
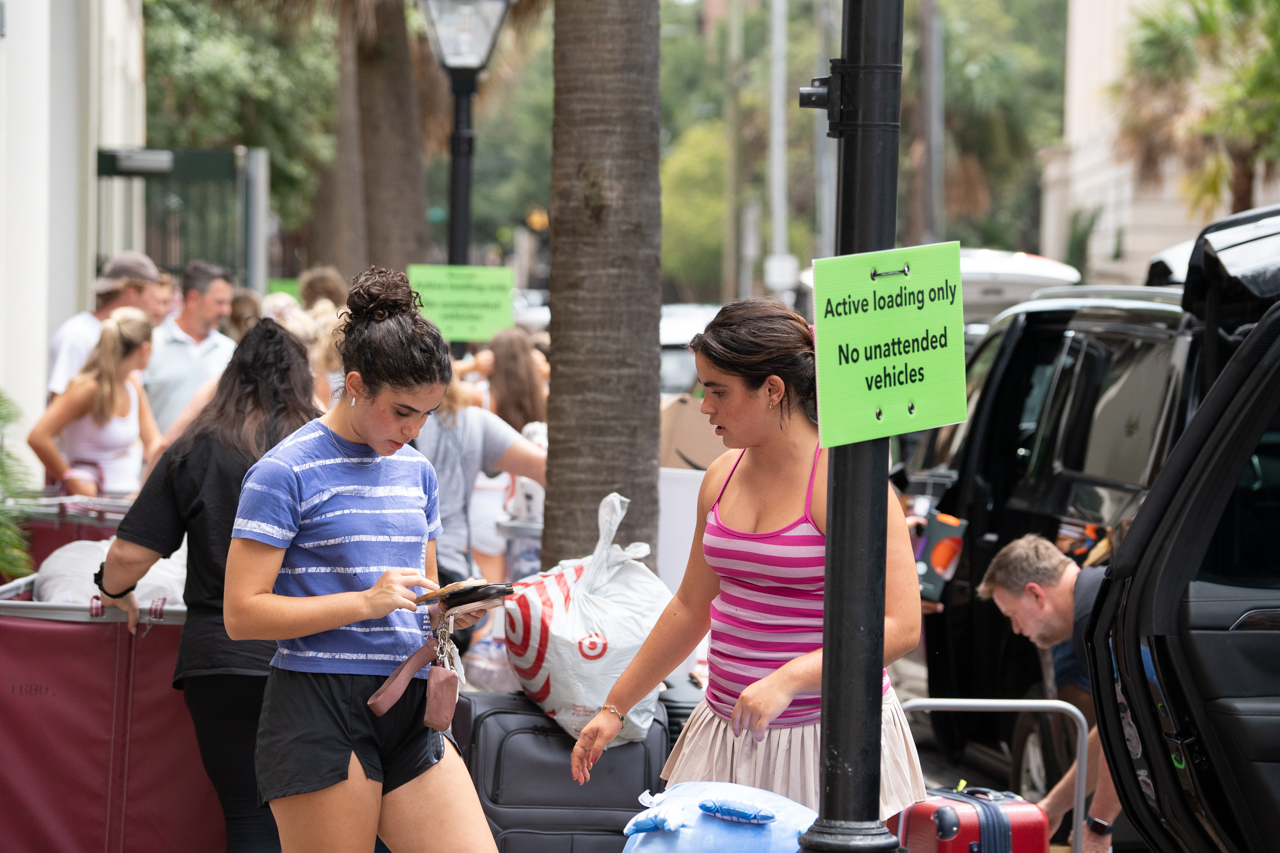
(755, 580)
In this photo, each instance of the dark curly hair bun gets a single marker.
(377, 294)
(386, 339)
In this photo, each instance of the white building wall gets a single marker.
(71, 81)
(25, 127)
(68, 130)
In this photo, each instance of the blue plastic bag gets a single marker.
(695, 830)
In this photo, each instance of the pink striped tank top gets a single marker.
(769, 610)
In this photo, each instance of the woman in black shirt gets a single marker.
(265, 393)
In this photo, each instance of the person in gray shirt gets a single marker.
(460, 441)
(188, 350)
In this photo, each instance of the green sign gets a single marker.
(284, 285)
(466, 303)
(890, 342)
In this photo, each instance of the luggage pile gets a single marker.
(519, 762)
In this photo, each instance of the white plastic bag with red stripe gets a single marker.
(571, 631)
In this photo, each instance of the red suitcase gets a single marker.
(977, 820)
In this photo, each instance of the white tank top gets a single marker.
(115, 448)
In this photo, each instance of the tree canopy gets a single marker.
(221, 76)
(1202, 83)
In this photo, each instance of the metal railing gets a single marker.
(1033, 706)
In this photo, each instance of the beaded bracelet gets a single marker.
(612, 709)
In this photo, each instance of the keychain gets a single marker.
(447, 653)
(442, 680)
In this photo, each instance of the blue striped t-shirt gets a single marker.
(343, 515)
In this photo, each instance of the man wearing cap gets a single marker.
(188, 350)
(129, 280)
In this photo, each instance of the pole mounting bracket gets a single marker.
(846, 96)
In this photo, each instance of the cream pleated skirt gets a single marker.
(787, 760)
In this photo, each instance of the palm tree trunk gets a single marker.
(395, 199)
(605, 273)
(338, 235)
(1242, 160)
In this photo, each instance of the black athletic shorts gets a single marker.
(311, 723)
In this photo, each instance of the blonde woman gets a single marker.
(104, 418)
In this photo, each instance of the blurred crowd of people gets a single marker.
(208, 377)
(129, 377)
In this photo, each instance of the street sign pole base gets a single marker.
(861, 835)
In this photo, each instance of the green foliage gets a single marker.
(14, 560)
(693, 210)
(1005, 72)
(1004, 77)
(241, 74)
(512, 166)
(1079, 230)
(1202, 82)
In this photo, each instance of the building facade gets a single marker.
(71, 82)
(1085, 174)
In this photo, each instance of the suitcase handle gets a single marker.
(1037, 706)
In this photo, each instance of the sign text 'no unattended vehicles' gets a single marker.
(466, 303)
(890, 342)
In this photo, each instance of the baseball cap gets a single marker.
(128, 264)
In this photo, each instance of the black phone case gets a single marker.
(472, 594)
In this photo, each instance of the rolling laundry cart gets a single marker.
(99, 752)
(52, 522)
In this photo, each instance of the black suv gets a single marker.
(1185, 639)
(1076, 400)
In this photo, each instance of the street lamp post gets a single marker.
(862, 98)
(463, 33)
(461, 146)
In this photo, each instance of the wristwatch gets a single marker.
(97, 579)
(1098, 827)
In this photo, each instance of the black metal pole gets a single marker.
(863, 100)
(461, 146)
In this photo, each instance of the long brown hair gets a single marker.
(123, 333)
(455, 400)
(265, 394)
(518, 396)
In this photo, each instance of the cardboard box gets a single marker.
(688, 440)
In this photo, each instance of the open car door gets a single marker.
(1185, 639)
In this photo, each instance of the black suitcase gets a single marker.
(680, 698)
(519, 762)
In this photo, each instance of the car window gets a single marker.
(678, 371)
(1041, 399)
(940, 445)
(1115, 408)
(1243, 550)
(1041, 376)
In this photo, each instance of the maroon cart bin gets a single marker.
(99, 752)
(52, 522)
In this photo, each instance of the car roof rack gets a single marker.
(1164, 295)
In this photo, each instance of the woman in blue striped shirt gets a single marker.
(333, 540)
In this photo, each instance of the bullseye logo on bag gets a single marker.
(593, 646)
